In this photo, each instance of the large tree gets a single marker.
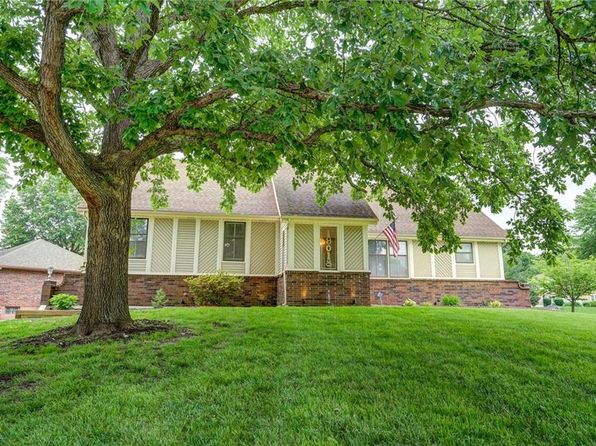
(47, 209)
(584, 215)
(423, 103)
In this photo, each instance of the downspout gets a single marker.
(283, 245)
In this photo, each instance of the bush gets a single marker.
(409, 303)
(64, 301)
(546, 301)
(534, 299)
(450, 300)
(591, 303)
(160, 299)
(559, 302)
(494, 304)
(215, 289)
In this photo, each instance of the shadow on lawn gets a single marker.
(64, 336)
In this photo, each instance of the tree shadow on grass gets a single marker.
(65, 336)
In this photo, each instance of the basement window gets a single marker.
(137, 244)
(11, 310)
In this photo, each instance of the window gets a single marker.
(328, 242)
(398, 265)
(464, 254)
(11, 310)
(377, 258)
(234, 236)
(137, 244)
(381, 260)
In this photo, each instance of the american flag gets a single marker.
(391, 234)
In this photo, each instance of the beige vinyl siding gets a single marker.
(443, 265)
(185, 245)
(465, 270)
(161, 252)
(137, 265)
(422, 261)
(262, 248)
(353, 248)
(488, 258)
(208, 239)
(233, 267)
(304, 256)
(283, 247)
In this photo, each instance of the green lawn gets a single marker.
(310, 376)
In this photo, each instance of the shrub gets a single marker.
(215, 289)
(590, 303)
(495, 304)
(559, 302)
(426, 303)
(160, 299)
(546, 301)
(534, 299)
(450, 300)
(64, 301)
(409, 303)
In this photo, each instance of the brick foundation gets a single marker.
(317, 288)
(471, 292)
(21, 288)
(257, 290)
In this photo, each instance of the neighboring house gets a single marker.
(23, 270)
(291, 251)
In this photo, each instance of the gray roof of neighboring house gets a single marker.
(39, 255)
(478, 224)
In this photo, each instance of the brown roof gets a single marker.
(478, 224)
(301, 201)
(207, 201)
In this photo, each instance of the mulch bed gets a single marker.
(65, 337)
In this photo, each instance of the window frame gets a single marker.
(469, 253)
(234, 238)
(386, 259)
(405, 256)
(146, 239)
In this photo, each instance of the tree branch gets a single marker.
(140, 54)
(19, 84)
(321, 96)
(30, 128)
(276, 6)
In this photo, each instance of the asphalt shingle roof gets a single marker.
(299, 202)
(477, 225)
(40, 254)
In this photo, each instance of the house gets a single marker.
(291, 251)
(24, 269)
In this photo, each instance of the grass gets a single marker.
(416, 376)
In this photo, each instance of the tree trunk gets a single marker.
(105, 305)
(573, 305)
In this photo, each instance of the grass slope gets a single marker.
(310, 376)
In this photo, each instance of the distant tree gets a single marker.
(521, 268)
(3, 176)
(585, 223)
(568, 278)
(45, 209)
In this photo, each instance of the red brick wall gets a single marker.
(471, 292)
(22, 288)
(257, 290)
(317, 288)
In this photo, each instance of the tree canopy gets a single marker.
(428, 104)
(584, 215)
(46, 209)
(569, 278)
